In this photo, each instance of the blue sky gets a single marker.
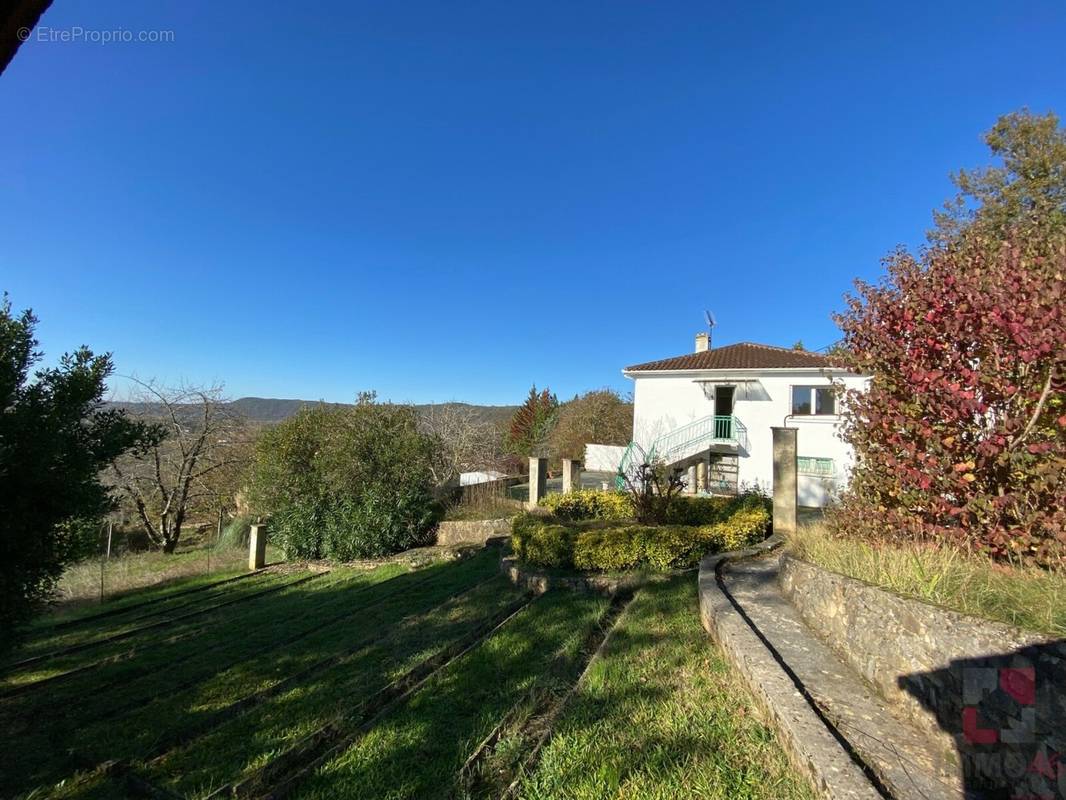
(452, 201)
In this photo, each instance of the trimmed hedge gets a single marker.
(712, 510)
(588, 504)
(551, 542)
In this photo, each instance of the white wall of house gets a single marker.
(763, 399)
(482, 476)
(603, 457)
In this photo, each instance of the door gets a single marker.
(723, 412)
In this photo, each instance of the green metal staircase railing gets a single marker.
(683, 442)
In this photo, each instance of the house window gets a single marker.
(822, 467)
(813, 401)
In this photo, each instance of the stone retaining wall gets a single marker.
(539, 581)
(979, 687)
(476, 531)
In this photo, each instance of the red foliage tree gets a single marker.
(532, 422)
(962, 434)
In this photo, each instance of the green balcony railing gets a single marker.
(723, 428)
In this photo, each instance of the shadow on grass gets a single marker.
(51, 733)
(418, 750)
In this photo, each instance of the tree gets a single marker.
(653, 487)
(347, 482)
(962, 434)
(1027, 190)
(55, 437)
(467, 441)
(185, 471)
(798, 345)
(599, 417)
(532, 423)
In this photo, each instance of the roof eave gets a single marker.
(681, 373)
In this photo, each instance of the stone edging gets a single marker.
(537, 581)
(808, 742)
(918, 655)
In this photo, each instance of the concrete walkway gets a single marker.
(847, 735)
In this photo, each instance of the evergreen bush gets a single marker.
(552, 542)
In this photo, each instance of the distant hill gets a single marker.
(271, 410)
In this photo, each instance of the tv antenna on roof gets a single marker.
(710, 327)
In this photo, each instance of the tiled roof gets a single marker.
(744, 355)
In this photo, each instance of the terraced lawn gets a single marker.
(444, 681)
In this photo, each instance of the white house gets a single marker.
(480, 476)
(711, 412)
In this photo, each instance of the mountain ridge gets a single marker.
(271, 410)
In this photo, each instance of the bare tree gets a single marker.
(186, 470)
(468, 441)
(653, 486)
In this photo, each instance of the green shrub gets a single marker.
(541, 541)
(672, 546)
(746, 526)
(699, 510)
(299, 529)
(618, 507)
(347, 482)
(589, 504)
(380, 521)
(710, 510)
(550, 542)
(608, 549)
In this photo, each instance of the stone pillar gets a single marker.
(690, 480)
(538, 480)
(784, 480)
(257, 547)
(701, 476)
(571, 474)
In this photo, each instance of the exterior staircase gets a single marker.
(684, 446)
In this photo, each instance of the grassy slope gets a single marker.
(236, 749)
(101, 649)
(249, 672)
(228, 661)
(661, 716)
(417, 751)
(71, 612)
(78, 591)
(1029, 598)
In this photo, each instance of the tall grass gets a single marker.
(82, 582)
(487, 500)
(1026, 597)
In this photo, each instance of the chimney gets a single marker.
(703, 342)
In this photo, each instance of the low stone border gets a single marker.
(535, 580)
(920, 657)
(807, 741)
(476, 531)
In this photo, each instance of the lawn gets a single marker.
(83, 584)
(442, 681)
